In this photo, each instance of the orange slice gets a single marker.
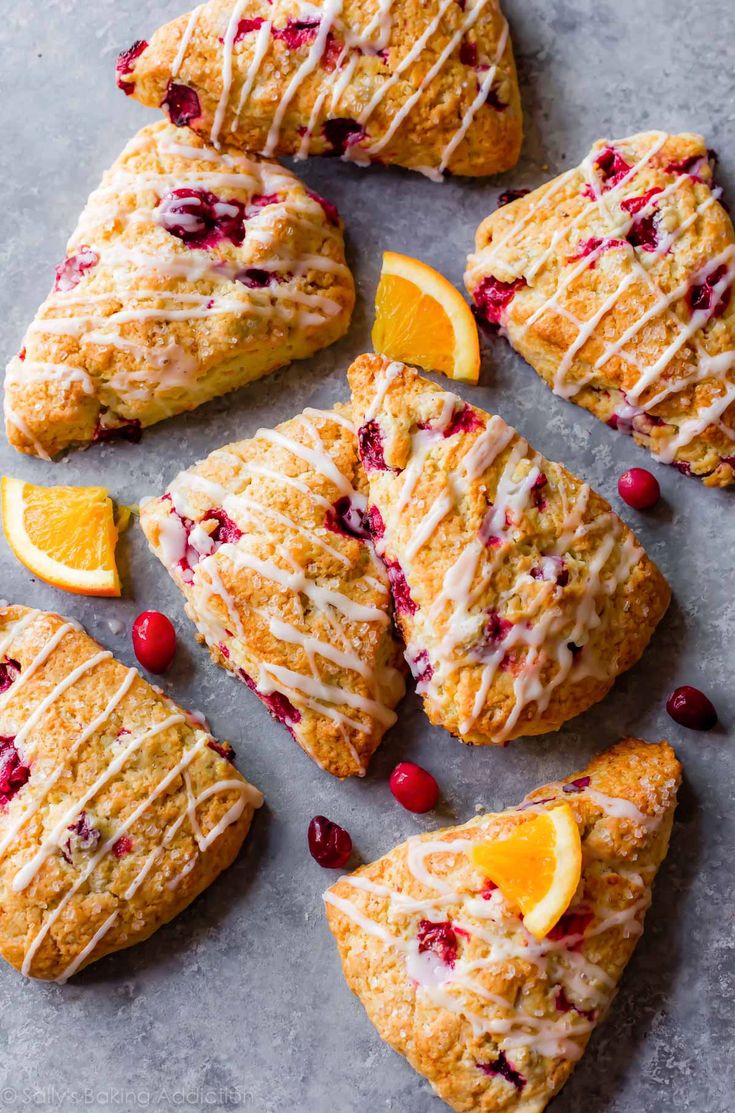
(64, 535)
(537, 867)
(422, 319)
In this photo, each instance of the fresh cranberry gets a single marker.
(154, 641)
(342, 133)
(463, 420)
(509, 196)
(14, 773)
(9, 673)
(611, 169)
(468, 53)
(330, 210)
(689, 707)
(224, 749)
(700, 295)
(126, 64)
(246, 26)
(346, 518)
(181, 104)
(492, 297)
(129, 430)
(595, 244)
(226, 532)
(639, 488)
(502, 1068)
(123, 846)
(71, 272)
(329, 844)
(402, 597)
(413, 787)
(279, 705)
(579, 785)
(440, 939)
(297, 32)
(200, 219)
(370, 444)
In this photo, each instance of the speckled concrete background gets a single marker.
(240, 1003)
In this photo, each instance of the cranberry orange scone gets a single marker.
(116, 807)
(190, 274)
(520, 594)
(493, 1016)
(615, 281)
(427, 84)
(267, 539)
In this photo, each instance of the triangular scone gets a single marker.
(267, 539)
(190, 274)
(117, 808)
(520, 594)
(427, 84)
(450, 977)
(614, 281)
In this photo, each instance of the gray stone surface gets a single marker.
(244, 990)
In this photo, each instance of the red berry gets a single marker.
(329, 844)
(639, 488)
(413, 787)
(691, 708)
(154, 641)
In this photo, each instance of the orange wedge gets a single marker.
(422, 319)
(64, 535)
(537, 867)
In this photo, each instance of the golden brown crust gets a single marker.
(285, 598)
(614, 281)
(500, 1030)
(115, 794)
(151, 319)
(520, 594)
(427, 85)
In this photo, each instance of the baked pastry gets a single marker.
(614, 281)
(116, 807)
(190, 274)
(267, 539)
(520, 594)
(449, 975)
(427, 84)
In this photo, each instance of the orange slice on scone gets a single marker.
(64, 535)
(422, 319)
(537, 867)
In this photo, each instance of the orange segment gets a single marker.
(422, 319)
(64, 535)
(537, 867)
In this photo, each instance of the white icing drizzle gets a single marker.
(86, 951)
(227, 48)
(186, 40)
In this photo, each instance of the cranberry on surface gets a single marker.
(639, 488)
(691, 708)
(329, 844)
(413, 787)
(154, 641)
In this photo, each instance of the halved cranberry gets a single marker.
(224, 749)
(9, 673)
(413, 787)
(246, 26)
(226, 532)
(700, 295)
(329, 844)
(154, 641)
(611, 168)
(123, 846)
(126, 64)
(579, 785)
(370, 444)
(279, 705)
(14, 773)
(439, 938)
(297, 32)
(508, 196)
(402, 597)
(346, 518)
(181, 104)
(492, 297)
(463, 420)
(201, 219)
(468, 53)
(691, 708)
(71, 272)
(502, 1068)
(639, 488)
(342, 133)
(330, 210)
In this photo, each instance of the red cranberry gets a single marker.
(492, 297)
(278, 704)
(224, 749)
(492, 97)
(14, 773)
(402, 598)
(201, 219)
(689, 707)
(130, 431)
(246, 26)
(509, 196)
(468, 53)
(182, 104)
(154, 641)
(413, 787)
(71, 272)
(700, 296)
(123, 846)
(440, 938)
(370, 444)
(421, 667)
(255, 278)
(464, 420)
(611, 169)
(226, 532)
(595, 244)
(571, 925)
(504, 1069)
(639, 488)
(126, 64)
(349, 520)
(9, 672)
(297, 32)
(330, 210)
(329, 844)
(342, 133)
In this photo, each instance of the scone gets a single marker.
(190, 274)
(116, 808)
(614, 281)
(520, 594)
(267, 539)
(427, 84)
(449, 975)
